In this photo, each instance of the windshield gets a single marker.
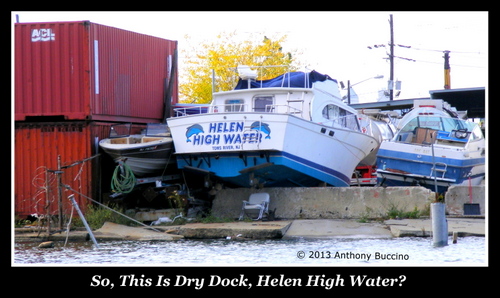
(448, 129)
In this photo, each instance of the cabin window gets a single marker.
(234, 105)
(263, 103)
(477, 133)
(331, 112)
(340, 116)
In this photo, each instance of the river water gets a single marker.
(407, 251)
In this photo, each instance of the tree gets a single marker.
(223, 56)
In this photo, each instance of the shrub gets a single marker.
(394, 212)
(96, 216)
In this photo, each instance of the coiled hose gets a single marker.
(123, 180)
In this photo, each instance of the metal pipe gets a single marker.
(439, 225)
(72, 199)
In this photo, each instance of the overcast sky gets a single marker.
(334, 43)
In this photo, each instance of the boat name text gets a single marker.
(226, 135)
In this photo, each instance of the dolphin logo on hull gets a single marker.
(193, 130)
(260, 126)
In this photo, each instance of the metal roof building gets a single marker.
(472, 100)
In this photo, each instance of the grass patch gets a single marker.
(96, 216)
(365, 216)
(395, 213)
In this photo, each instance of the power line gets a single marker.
(434, 50)
(451, 64)
(403, 58)
(423, 61)
(376, 46)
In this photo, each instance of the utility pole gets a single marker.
(447, 78)
(391, 59)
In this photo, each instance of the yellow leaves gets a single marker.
(221, 57)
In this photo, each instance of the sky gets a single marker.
(333, 43)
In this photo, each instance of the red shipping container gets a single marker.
(37, 147)
(87, 71)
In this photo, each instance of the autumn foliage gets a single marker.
(220, 58)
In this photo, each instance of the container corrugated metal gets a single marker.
(87, 71)
(37, 147)
(52, 70)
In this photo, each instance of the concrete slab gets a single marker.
(306, 228)
(235, 230)
(423, 227)
(43, 236)
(320, 228)
(410, 228)
(121, 232)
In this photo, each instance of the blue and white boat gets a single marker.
(432, 147)
(293, 130)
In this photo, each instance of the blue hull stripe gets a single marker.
(421, 165)
(292, 161)
(319, 167)
(412, 157)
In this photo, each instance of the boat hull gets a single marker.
(144, 159)
(408, 165)
(245, 149)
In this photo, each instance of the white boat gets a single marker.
(292, 130)
(433, 148)
(380, 125)
(146, 154)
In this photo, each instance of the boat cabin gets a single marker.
(432, 123)
(311, 96)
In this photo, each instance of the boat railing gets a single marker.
(231, 108)
(186, 111)
(237, 108)
(271, 108)
(282, 109)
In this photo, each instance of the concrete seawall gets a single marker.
(327, 202)
(457, 196)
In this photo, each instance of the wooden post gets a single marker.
(47, 200)
(59, 192)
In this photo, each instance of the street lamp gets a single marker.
(349, 86)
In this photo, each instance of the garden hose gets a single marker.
(123, 180)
